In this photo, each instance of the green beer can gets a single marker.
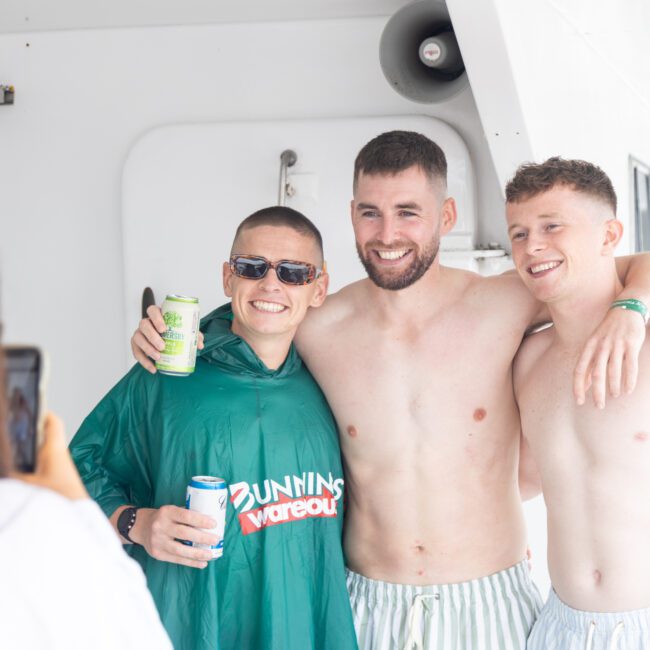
(181, 315)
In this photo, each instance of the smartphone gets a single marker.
(25, 386)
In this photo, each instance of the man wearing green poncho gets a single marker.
(252, 414)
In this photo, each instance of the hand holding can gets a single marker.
(181, 316)
(209, 496)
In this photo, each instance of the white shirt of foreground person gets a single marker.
(65, 580)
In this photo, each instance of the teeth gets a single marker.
(391, 255)
(273, 307)
(544, 267)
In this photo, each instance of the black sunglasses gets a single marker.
(253, 267)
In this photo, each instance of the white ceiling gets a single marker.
(39, 15)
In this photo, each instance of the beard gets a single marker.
(387, 279)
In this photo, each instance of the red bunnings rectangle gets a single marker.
(285, 510)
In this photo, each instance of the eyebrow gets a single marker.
(402, 206)
(552, 215)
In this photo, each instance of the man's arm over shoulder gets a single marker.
(609, 360)
(634, 273)
(147, 342)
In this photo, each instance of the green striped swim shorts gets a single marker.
(495, 612)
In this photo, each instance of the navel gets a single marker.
(479, 414)
(352, 432)
(642, 436)
(598, 577)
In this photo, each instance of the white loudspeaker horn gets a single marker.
(419, 54)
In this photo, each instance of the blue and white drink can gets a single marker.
(209, 496)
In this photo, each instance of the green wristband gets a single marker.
(634, 305)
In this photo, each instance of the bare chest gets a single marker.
(565, 434)
(408, 394)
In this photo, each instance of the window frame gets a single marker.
(640, 193)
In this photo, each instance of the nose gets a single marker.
(270, 282)
(387, 230)
(535, 243)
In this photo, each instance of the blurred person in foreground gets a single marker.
(594, 463)
(65, 581)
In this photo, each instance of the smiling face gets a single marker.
(398, 221)
(560, 240)
(268, 308)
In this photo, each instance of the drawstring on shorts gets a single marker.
(590, 636)
(613, 641)
(416, 615)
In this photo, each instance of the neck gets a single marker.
(576, 317)
(420, 300)
(271, 349)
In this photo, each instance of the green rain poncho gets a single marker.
(280, 584)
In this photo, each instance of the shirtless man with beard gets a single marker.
(416, 363)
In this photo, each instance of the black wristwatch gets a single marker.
(126, 521)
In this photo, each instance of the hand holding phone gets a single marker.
(25, 385)
(55, 469)
(48, 465)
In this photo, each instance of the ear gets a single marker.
(612, 235)
(227, 279)
(448, 215)
(320, 293)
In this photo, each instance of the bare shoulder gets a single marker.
(335, 311)
(337, 307)
(506, 287)
(459, 284)
(507, 296)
